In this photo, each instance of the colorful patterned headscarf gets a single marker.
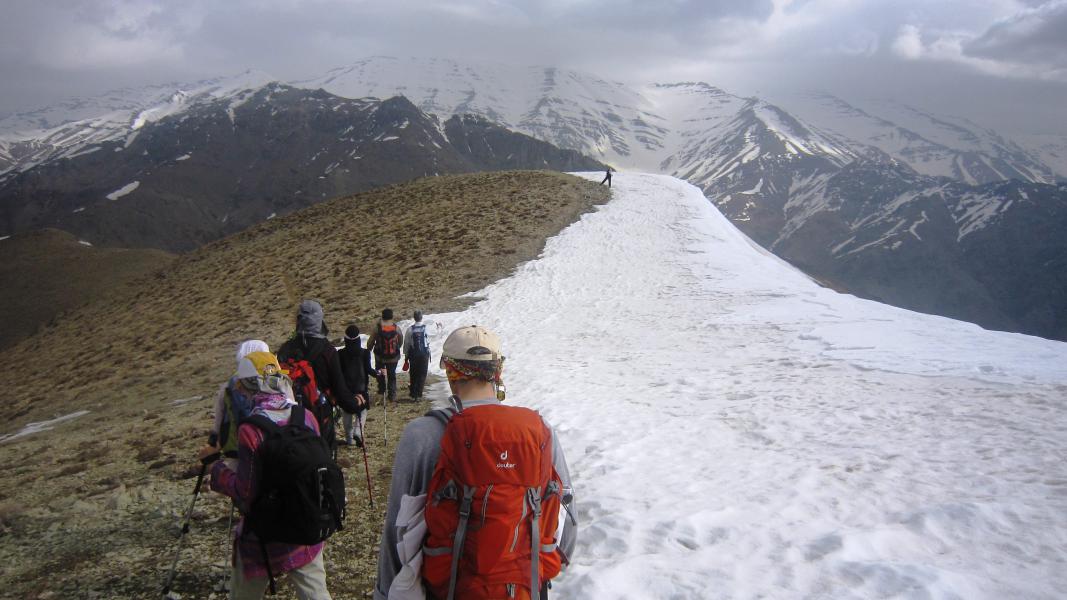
(484, 370)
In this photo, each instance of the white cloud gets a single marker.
(908, 43)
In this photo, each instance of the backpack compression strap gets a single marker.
(266, 425)
(461, 536)
(533, 498)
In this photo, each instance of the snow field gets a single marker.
(735, 431)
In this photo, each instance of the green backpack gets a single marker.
(237, 406)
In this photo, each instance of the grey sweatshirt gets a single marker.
(416, 457)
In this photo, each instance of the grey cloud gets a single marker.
(1035, 36)
(46, 48)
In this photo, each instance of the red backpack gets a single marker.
(307, 394)
(492, 507)
(388, 341)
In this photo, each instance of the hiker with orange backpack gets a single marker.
(481, 501)
(315, 370)
(385, 342)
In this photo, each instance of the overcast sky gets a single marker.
(1002, 61)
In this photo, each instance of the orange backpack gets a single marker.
(492, 507)
(388, 341)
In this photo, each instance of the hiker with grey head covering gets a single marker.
(309, 344)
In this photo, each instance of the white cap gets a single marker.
(249, 346)
(472, 343)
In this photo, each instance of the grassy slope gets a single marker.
(47, 272)
(92, 506)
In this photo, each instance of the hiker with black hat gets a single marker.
(416, 356)
(449, 455)
(310, 346)
(355, 364)
(386, 341)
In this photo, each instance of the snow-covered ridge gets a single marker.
(783, 441)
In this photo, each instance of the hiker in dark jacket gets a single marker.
(386, 341)
(355, 364)
(310, 344)
(607, 177)
(416, 356)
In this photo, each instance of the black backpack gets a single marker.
(419, 345)
(301, 497)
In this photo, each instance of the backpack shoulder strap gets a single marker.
(296, 416)
(444, 415)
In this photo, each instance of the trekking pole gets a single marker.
(385, 406)
(366, 465)
(185, 525)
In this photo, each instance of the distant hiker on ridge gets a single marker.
(268, 542)
(385, 342)
(315, 369)
(416, 356)
(355, 364)
(477, 480)
(607, 177)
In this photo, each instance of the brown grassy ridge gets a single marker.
(105, 489)
(47, 272)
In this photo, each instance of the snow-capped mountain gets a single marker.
(221, 164)
(633, 127)
(812, 176)
(1052, 149)
(936, 145)
(608, 120)
(67, 129)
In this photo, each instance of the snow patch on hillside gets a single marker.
(32, 428)
(124, 190)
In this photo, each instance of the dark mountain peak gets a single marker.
(219, 166)
(399, 107)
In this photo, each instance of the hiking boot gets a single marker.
(357, 442)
